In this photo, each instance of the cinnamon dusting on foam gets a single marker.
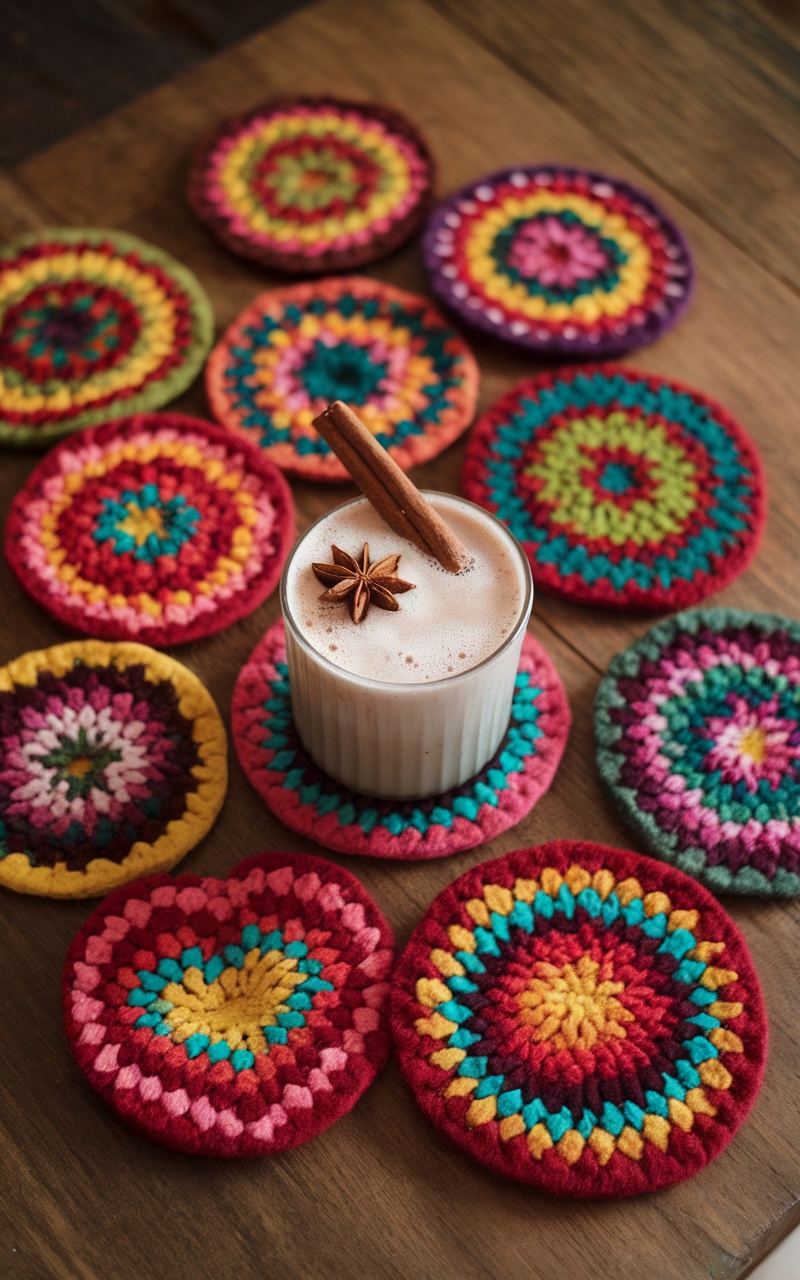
(442, 628)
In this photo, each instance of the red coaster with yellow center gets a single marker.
(313, 184)
(581, 1018)
(232, 1017)
(158, 527)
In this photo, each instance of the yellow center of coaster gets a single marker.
(753, 743)
(237, 1005)
(573, 1005)
(139, 523)
(80, 766)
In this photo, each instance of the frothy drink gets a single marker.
(412, 702)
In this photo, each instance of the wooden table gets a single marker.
(696, 103)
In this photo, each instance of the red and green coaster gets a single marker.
(625, 489)
(698, 741)
(582, 1019)
(93, 325)
(566, 262)
(313, 184)
(158, 527)
(232, 1017)
(312, 804)
(388, 353)
(113, 764)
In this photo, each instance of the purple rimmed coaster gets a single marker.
(560, 260)
(311, 803)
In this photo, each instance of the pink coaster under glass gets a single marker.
(311, 803)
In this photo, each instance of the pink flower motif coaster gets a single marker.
(311, 803)
(568, 262)
(235, 1017)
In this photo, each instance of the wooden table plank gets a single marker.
(381, 1194)
(703, 98)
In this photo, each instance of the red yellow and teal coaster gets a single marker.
(93, 325)
(582, 1019)
(159, 528)
(312, 804)
(113, 764)
(625, 489)
(563, 261)
(698, 740)
(388, 353)
(232, 1017)
(309, 185)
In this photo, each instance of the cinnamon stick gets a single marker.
(388, 488)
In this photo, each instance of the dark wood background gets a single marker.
(698, 102)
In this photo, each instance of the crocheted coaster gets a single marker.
(113, 763)
(93, 324)
(698, 740)
(625, 489)
(581, 1018)
(388, 353)
(309, 802)
(157, 527)
(564, 261)
(235, 1017)
(310, 185)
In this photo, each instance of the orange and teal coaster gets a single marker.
(312, 804)
(158, 527)
(93, 325)
(624, 488)
(582, 1019)
(113, 764)
(232, 1017)
(698, 741)
(388, 353)
(313, 184)
(566, 262)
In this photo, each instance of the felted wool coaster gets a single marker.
(698, 741)
(235, 1017)
(563, 261)
(625, 489)
(311, 803)
(158, 527)
(113, 763)
(389, 354)
(581, 1018)
(93, 325)
(313, 184)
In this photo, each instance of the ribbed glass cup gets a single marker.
(400, 741)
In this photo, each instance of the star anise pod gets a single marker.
(363, 583)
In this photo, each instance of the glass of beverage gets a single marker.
(412, 702)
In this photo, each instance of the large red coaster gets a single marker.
(158, 527)
(314, 805)
(235, 1017)
(581, 1018)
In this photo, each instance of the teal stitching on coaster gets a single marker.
(311, 802)
(486, 788)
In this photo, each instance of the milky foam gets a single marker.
(447, 624)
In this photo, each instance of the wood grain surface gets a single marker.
(381, 1194)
